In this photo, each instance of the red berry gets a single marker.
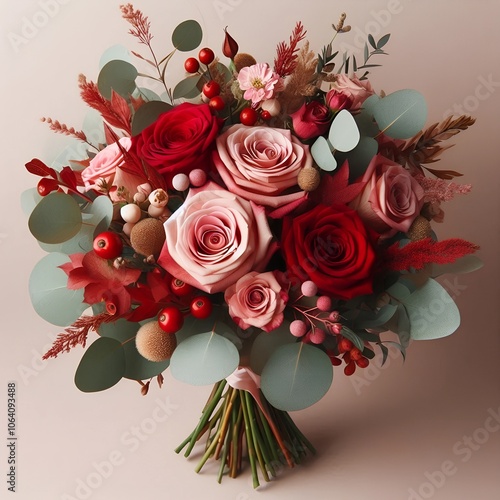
(201, 307)
(191, 65)
(363, 362)
(170, 319)
(180, 288)
(108, 245)
(46, 186)
(345, 345)
(350, 368)
(265, 115)
(333, 358)
(211, 89)
(248, 116)
(217, 103)
(206, 55)
(356, 354)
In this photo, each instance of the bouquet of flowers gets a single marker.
(250, 228)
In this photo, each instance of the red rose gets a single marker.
(179, 141)
(330, 246)
(311, 120)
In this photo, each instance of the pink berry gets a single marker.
(180, 182)
(334, 317)
(197, 177)
(324, 303)
(298, 328)
(309, 289)
(336, 328)
(317, 336)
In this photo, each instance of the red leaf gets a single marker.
(68, 177)
(37, 167)
(120, 106)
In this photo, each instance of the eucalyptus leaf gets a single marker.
(344, 133)
(55, 219)
(360, 157)
(186, 87)
(115, 52)
(137, 367)
(119, 76)
(29, 200)
(93, 127)
(187, 36)
(49, 294)
(147, 114)
(204, 359)
(402, 114)
(322, 154)
(369, 105)
(369, 319)
(102, 366)
(296, 376)
(404, 326)
(463, 265)
(432, 312)
(266, 344)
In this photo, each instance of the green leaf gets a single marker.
(432, 312)
(404, 326)
(137, 367)
(147, 114)
(382, 41)
(385, 353)
(266, 344)
(55, 219)
(187, 36)
(204, 359)
(353, 337)
(402, 114)
(322, 154)
(116, 52)
(399, 347)
(344, 133)
(102, 366)
(354, 64)
(49, 294)
(366, 53)
(29, 200)
(369, 319)
(296, 376)
(371, 40)
(118, 76)
(187, 86)
(463, 265)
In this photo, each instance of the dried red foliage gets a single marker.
(112, 111)
(77, 333)
(286, 55)
(140, 23)
(417, 254)
(62, 128)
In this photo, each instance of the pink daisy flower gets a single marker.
(259, 82)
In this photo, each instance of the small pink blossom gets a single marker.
(259, 82)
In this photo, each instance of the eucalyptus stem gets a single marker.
(250, 446)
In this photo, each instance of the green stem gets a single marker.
(249, 439)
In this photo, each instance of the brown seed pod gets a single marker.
(308, 179)
(153, 343)
(147, 237)
(420, 229)
(242, 60)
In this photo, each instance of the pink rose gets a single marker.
(257, 300)
(353, 88)
(391, 199)
(109, 165)
(261, 163)
(337, 101)
(311, 120)
(215, 238)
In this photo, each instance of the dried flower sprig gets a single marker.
(286, 54)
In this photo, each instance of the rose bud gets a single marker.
(229, 47)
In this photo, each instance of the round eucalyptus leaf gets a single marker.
(147, 114)
(187, 36)
(55, 219)
(118, 76)
(102, 366)
(296, 376)
(49, 294)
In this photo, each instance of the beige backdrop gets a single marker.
(428, 429)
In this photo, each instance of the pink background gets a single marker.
(422, 427)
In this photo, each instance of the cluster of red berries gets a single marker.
(171, 318)
(211, 89)
(351, 355)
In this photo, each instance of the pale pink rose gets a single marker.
(107, 165)
(261, 163)
(257, 299)
(391, 198)
(353, 88)
(259, 82)
(215, 238)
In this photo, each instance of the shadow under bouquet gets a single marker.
(250, 228)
